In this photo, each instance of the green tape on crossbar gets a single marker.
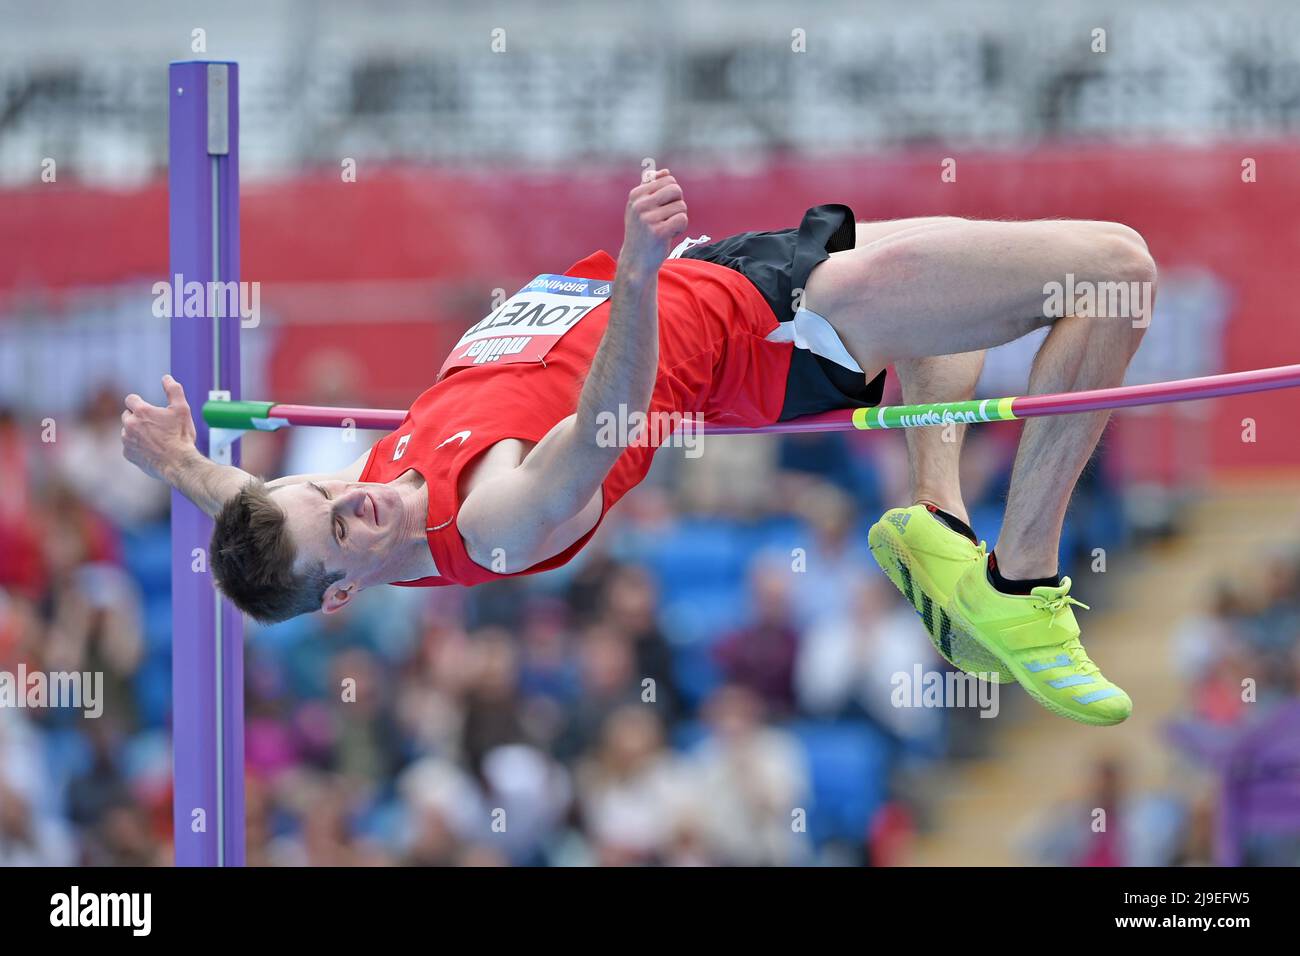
(938, 413)
(238, 415)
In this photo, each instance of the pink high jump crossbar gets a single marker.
(269, 416)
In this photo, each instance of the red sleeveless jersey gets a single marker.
(714, 360)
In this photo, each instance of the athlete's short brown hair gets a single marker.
(253, 560)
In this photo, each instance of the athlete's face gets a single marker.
(349, 526)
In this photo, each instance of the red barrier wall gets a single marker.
(477, 231)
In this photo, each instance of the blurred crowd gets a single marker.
(1240, 659)
(1233, 793)
(708, 684)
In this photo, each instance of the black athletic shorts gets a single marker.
(779, 262)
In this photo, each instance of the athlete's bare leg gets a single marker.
(1080, 353)
(933, 454)
(961, 286)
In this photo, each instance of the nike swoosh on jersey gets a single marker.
(459, 436)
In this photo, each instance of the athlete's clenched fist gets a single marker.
(654, 221)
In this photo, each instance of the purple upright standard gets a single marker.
(207, 631)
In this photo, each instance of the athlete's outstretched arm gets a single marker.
(519, 511)
(623, 369)
(160, 442)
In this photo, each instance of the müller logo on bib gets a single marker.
(529, 323)
(490, 350)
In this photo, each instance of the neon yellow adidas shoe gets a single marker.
(924, 558)
(1036, 638)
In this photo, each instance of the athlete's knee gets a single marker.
(1127, 291)
(1115, 251)
(1119, 230)
(1117, 258)
(1144, 308)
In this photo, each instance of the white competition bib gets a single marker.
(528, 323)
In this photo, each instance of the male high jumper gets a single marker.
(504, 467)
